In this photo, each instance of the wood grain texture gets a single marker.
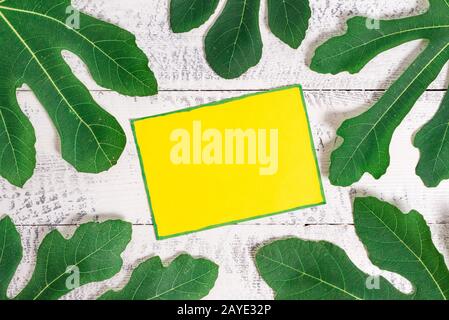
(178, 60)
(58, 196)
(232, 248)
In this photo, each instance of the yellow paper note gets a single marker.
(227, 162)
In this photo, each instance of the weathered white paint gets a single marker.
(58, 194)
(232, 248)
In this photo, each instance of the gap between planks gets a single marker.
(233, 225)
(257, 90)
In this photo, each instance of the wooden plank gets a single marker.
(179, 63)
(57, 194)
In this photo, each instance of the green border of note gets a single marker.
(158, 237)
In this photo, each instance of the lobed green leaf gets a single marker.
(397, 242)
(233, 44)
(367, 137)
(185, 278)
(35, 33)
(92, 254)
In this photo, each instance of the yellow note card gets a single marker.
(229, 161)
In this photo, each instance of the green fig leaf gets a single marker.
(433, 142)
(35, 33)
(186, 15)
(289, 20)
(92, 254)
(233, 44)
(185, 278)
(367, 137)
(396, 242)
(10, 254)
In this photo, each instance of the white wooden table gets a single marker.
(59, 197)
